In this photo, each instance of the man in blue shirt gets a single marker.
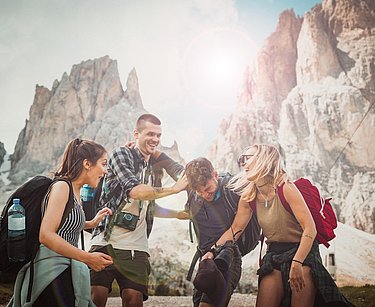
(212, 207)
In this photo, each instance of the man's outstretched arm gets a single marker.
(170, 213)
(145, 192)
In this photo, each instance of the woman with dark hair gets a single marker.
(61, 277)
(291, 273)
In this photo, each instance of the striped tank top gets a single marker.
(73, 225)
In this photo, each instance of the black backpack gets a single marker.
(249, 238)
(31, 195)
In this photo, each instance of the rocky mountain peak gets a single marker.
(348, 15)
(87, 103)
(267, 83)
(132, 93)
(310, 92)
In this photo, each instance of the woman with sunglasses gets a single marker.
(291, 273)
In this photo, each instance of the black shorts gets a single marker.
(130, 272)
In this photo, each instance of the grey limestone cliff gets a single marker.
(88, 103)
(311, 92)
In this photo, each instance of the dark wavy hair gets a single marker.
(198, 172)
(75, 152)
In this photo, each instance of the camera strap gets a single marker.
(145, 175)
(145, 178)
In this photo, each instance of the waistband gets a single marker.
(281, 247)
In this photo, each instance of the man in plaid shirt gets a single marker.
(130, 188)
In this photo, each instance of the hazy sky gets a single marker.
(190, 55)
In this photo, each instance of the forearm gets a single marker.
(99, 216)
(227, 235)
(56, 243)
(165, 212)
(89, 224)
(233, 233)
(146, 192)
(306, 242)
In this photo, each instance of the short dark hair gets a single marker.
(198, 172)
(140, 124)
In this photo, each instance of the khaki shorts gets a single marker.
(130, 272)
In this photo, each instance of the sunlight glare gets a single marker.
(214, 66)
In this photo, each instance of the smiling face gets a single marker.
(208, 191)
(148, 138)
(97, 171)
(202, 178)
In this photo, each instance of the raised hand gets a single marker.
(101, 214)
(181, 184)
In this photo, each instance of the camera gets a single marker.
(126, 220)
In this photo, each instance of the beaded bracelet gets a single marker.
(297, 261)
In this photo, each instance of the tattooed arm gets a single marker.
(145, 192)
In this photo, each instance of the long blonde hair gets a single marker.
(266, 165)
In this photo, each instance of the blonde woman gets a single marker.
(291, 273)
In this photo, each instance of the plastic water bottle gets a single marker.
(87, 193)
(16, 246)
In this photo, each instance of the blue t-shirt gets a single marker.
(211, 219)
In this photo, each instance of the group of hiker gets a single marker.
(230, 214)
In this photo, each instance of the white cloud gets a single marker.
(42, 39)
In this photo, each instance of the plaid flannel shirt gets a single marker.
(323, 281)
(125, 170)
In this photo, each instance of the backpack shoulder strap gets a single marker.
(68, 208)
(227, 193)
(70, 204)
(187, 208)
(302, 184)
(280, 193)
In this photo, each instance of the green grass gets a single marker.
(6, 291)
(360, 296)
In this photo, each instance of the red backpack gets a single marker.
(320, 208)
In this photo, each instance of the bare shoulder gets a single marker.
(290, 190)
(60, 188)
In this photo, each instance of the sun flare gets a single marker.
(214, 65)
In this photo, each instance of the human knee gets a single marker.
(132, 298)
(99, 295)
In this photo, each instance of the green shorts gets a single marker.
(130, 271)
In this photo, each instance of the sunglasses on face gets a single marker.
(242, 160)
